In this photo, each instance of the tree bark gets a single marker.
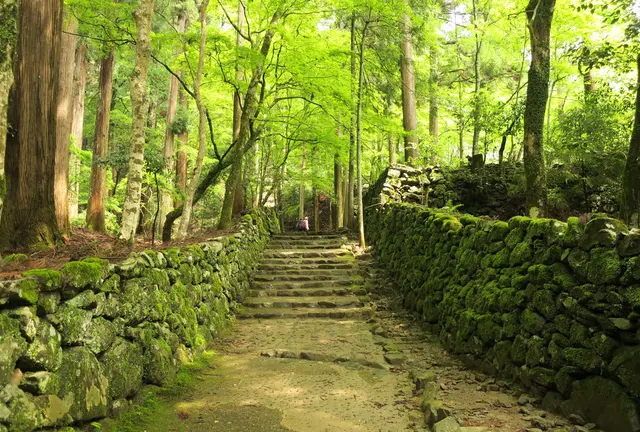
(98, 188)
(181, 160)
(630, 208)
(249, 110)
(77, 125)
(202, 127)
(409, 113)
(64, 115)
(29, 218)
(301, 197)
(169, 151)
(140, 108)
(337, 191)
(238, 199)
(477, 83)
(349, 218)
(539, 16)
(359, 140)
(316, 211)
(8, 34)
(433, 99)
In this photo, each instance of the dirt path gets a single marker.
(299, 363)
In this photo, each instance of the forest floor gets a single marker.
(85, 243)
(288, 373)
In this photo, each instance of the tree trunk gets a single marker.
(64, 115)
(539, 15)
(345, 197)
(337, 191)
(301, 198)
(316, 211)
(139, 107)
(433, 99)
(77, 126)
(249, 110)
(98, 188)
(202, 127)
(477, 83)
(409, 114)
(29, 218)
(8, 34)
(181, 159)
(630, 208)
(238, 199)
(349, 218)
(359, 140)
(169, 151)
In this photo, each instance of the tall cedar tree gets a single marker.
(140, 108)
(98, 182)
(77, 126)
(409, 114)
(539, 17)
(630, 209)
(29, 218)
(64, 123)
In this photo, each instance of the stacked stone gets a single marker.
(79, 343)
(402, 183)
(554, 305)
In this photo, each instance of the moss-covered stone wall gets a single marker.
(79, 343)
(553, 305)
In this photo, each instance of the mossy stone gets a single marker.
(45, 352)
(123, 366)
(536, 352)
(12, 346)
(604, 267)
(84, 300)
(521, 253)
(40, 383)
(578, 261)
(48, 280)
(80, 275)
(159, 366)
(21, 292)
(532, 322)
(543, 376)
(584, 359)
(625, 367)
(83, 383)
(100, 335)
(72, 323)
(24, 414)
(544, 302)
(15, 258)
(521, 222)
(604, 403)
(519, 350)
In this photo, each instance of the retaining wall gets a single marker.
(77, 344)
(554, 305)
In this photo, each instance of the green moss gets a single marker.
(584, 359)
(520, 254)
(532, 322)
(80, 275)
(521, 222)
(15, 258)
(514, 237)
(467, 219)
(49, 280)
(604, 266)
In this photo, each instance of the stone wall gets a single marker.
(77, 344)
(554, 305)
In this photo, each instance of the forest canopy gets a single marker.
(164, 118)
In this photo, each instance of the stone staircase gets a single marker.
(306, 276)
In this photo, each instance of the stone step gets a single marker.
(302, 253)
(308, 261)
(322, 302)
(280, 285)
(271, 313)
(305, 276)
(309, 246)
(306, 236)
(303, 268)
(301, 292)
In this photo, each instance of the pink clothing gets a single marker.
(304, 225)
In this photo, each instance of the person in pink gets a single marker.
(304, 225)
